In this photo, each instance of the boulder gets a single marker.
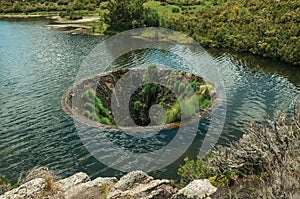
(198, 189)
(28, 190)
(67, 183)
(131, 179)
(138, 184)
(78, 189)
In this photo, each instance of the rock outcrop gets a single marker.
(136, 184)
(196, 189)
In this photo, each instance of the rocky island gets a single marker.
(181, 97)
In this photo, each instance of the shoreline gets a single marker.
(78, 26)
(42, 183)
(85, 26)
(25, 16)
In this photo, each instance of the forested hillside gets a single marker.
(28, 6)
(270, 28)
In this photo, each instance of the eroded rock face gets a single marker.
(197, 189)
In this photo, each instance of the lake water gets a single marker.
(38, 64)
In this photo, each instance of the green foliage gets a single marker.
(105, 120)
(102, 110)
(206, 103)
(90, 107)
(94, 108)
(29, 6)
(195, 85)
(150, 89)
(127, 14)
(198, 169)
(75, 15)
(174, 113)
(89, 95)
(260, 27)
(137, 105)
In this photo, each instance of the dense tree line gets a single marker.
(127, 14)
(260, 27)
(29, 6)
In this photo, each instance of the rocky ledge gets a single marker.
(136, 184)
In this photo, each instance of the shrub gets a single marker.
(268, 152)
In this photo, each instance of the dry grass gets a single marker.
(50, 184)
(105, 189)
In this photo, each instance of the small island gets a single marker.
(90, 100)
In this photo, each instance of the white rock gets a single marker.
(138, 184)
(73, 191)
(129, 180)
(27, 190)
(73, 180)
(197, 189)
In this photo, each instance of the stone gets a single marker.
(73, 180)
(36, 172)
(28, 190)
(198, 189)
(80, 188)
(138, 184)
(129, 180)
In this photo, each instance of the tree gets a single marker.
(127, 14)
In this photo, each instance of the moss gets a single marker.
(105, 120)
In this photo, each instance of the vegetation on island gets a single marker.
(95, 110)
(179, 98)
(174, 100)
(263, 164)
